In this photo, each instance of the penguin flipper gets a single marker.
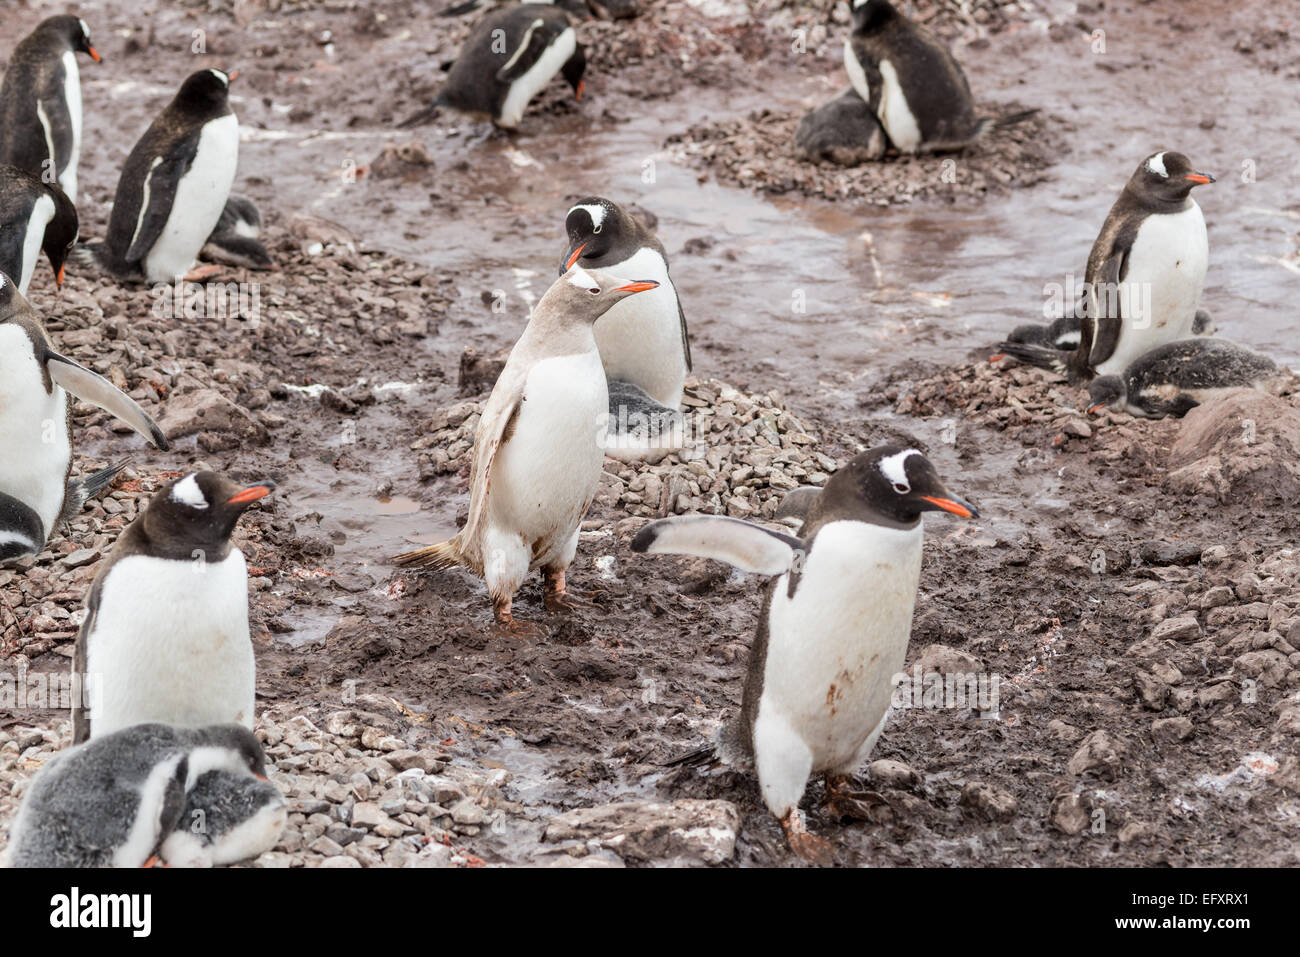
(686, 338)
(95, 389)
(749, 547)
(82, 490)
(1044, 357)
(160, 191)
(1107, 321)
(694, 758)
(534, 43)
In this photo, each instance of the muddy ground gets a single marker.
(1148, 706)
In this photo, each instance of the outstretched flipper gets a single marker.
(751, 548)
(95, 389)
(22, 534)
(82, 490)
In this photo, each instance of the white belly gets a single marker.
(171, 644)
(33, 430)
(72, 94)
(200, 197)
(833, 649)
(42, 213)
(895, 115)
(857, 76)
(545, 477)
(1162, 287)
(531, 83)
(640, 339)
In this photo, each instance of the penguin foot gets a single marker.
(200, 273)
(844, 802)
(513, 626)
(556, 596)
(805, 843)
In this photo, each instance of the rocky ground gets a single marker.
(1133, 584)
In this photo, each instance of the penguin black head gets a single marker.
(236, 738)
(898, 483)
(1106, 390)
(61, 232)
(206, 90)
(869, 15)
(594, 225)
(1165, 178)
(194, 516)
(573, 70)
(73, 31)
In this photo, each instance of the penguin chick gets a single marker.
(844, 131)
(1175, 378)
(111, 801)
(235, 239)
(228, 818)
(537, 448)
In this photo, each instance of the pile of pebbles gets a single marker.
(745, 451)
(757, 153)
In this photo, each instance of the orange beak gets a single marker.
(643, 285)
(1094, 409)
(960, 509)
(1201, 178)
(1000, 355)
(251, 494)
(94, 54)
(577, 92)
(574, 257)
(58, 277)
(231, 75)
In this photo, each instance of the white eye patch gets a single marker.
(597, 214)
(1156, 164)
(582, 279)
(187, 492)
(893, 467)
(220, 76)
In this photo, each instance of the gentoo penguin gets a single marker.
(174, 185)
(35, 217)
(844, 131)
(1146, 269)
(639, 427)
(36, 493)
(642, 341)
(166, 630)
(537, 449)
(912, 82)
(507, 59)
(834, 626)
(228, 817)
(111, 801)
(1175, 378)
(234, 240)
(40, 102)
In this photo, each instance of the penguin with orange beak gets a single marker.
(833, 630)
(166, 634)
(35, 217)
(40, 101)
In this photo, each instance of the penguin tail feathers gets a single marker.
(83, 489)
(460, 9)
(93, 254)
(423, 116)
(1005, 121)
(696, 758)
(443, 555)
(1044, 357)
